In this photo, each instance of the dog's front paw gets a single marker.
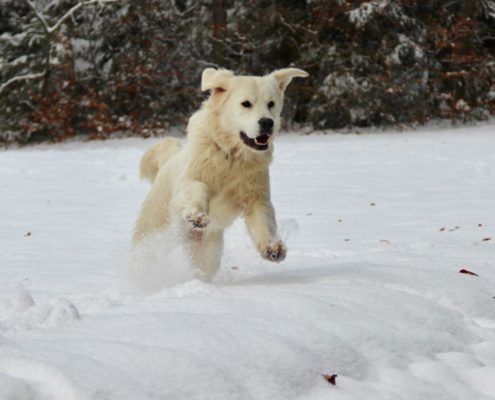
(275, 251)
(197, 220)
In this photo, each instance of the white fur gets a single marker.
(215, 178)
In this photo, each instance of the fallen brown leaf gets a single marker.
(441, 229)
(28, 234)
(330, 378)
(465, 271)
(486, 239)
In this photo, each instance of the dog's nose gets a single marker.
(266, 124)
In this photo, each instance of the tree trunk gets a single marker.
(468, 8)
(219, 21)
(46, 77)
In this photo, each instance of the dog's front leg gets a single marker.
(262, 226)
(192, 200)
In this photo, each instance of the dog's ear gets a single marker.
(216, 80)
(284, 76)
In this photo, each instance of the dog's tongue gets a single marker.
(263, 139)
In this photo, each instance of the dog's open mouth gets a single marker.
(258, 143)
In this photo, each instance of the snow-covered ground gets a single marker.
(378, 227)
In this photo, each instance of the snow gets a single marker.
(405, 43)
(377, 227)
(361, 15)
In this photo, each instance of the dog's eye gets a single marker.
(271, 104)
(246, 104)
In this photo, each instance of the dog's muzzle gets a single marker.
(259, 143)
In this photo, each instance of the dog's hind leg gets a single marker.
(154, 213)
(206, 249)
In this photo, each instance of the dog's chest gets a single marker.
(236, 182)
(233, 186)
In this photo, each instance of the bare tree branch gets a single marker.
(69, 13)
(4, 85)
(46, 27)
(51, 29)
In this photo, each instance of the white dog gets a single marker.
(222, 171)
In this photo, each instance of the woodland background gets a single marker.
(128, 67)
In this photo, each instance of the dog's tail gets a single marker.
(156, 156)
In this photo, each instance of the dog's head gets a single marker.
(248, 107)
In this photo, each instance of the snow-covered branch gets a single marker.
(69, 13)
(25, 77)
(361, 15)
(46, 27)
(51, 29)
(487, 8)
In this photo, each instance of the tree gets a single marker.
(133, 67)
